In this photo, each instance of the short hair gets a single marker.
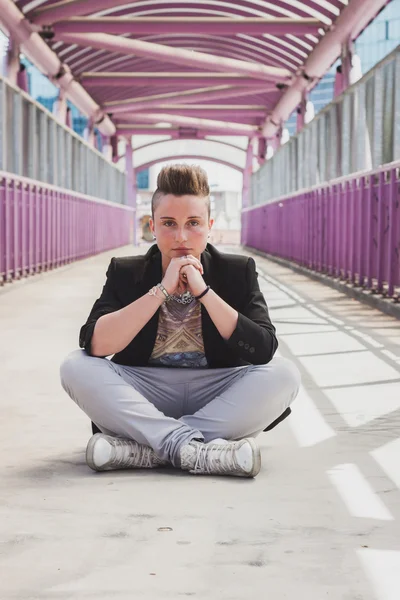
(181, 180)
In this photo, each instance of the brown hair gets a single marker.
(181, 180)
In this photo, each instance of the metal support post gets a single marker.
(305, 112)
(107, 149)
(90, 133)
(22, 78)
(247, 171)
(60, 107)
(68, 118)
(349, 71)
(12, 60)
(114, 148)
(131, 185)
(262, 150)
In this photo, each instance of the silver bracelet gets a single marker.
(153, 292)
(164, 291)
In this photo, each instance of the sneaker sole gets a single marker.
(90, 453)
(256, 458)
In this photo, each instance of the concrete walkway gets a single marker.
(322, 520)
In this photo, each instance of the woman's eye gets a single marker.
(168, 223)
(194, 223)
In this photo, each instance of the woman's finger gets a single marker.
(194, 262)
(189, 259)
(184, 270)
(187, 268)
(197, 261)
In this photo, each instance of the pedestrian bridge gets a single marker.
(320, 214)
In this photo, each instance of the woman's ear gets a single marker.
(151, 225)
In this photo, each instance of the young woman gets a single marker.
(192, 380)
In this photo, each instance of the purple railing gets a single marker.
(348, 228)
(43, 227)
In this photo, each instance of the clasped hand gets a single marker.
(184, 273)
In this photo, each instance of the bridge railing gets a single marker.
(35, 144)
(348, 228)
(358, 131)
(43, 226)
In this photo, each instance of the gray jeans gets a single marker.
(167, 407)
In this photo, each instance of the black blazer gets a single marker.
(232, 277)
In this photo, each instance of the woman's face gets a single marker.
(181, 225)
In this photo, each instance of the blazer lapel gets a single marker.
(150, 276)
(152, 273)
(209, 260)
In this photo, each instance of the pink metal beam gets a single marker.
(175, 133)
(120, 94)
(198, 25)
(182, 132)
(156, 142)
(167, 79)
(185, 97)
(274, 52)
(220, 161)
(234, 119)
(351, 21)
(204, 111)
(241, 129)
(87, 60)
(178, 56)
(280, 52)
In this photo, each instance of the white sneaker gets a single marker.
(221, 457)
(105, 453)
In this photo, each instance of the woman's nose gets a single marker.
(181, 234)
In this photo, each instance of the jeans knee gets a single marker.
(284, 373)
(70, 366)
(288, 372)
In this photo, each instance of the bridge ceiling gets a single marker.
(192, 65)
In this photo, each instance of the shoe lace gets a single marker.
(131, 454)
(213, 458)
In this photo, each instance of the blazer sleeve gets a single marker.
(107, 303)
(254, 339)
